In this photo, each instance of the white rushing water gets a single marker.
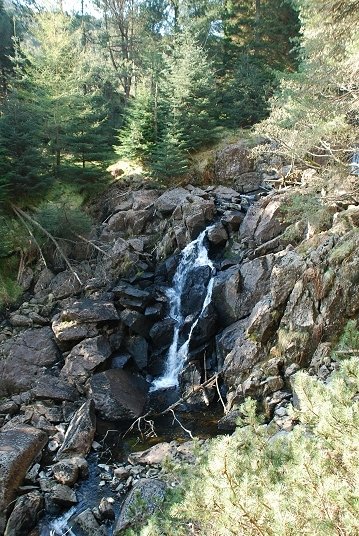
(59, 526)
(194, 255)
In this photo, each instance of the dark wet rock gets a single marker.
(228, 422)
(119, 360)
(89, 311)
(218, 235)
(57, 494)
(84, 358)
(53, 388)
(86, 521)
(118, 395)
(162, 333)
(105, 509)
(150, 494)
(206, 327)
(195, 290)
(80, 433)
(25, 514)
(28, 355)
(154, 312)
(132, 297)
(18, 449)
(137, 347)
(68, 470)
(137, 322)
(190, 380)
(72, 332)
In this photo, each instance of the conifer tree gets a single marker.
(139, 135)
(188, 93)
(6, 49)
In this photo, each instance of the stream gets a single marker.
(115, 447)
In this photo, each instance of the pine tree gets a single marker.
(187, 100)
(6, 49)
(139, 135)
(170, 157)
(25, 170)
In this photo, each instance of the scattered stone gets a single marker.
(89, 311)
(68, 470)
(121, 473)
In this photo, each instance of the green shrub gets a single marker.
(253, 483)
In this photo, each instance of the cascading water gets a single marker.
(193, 256)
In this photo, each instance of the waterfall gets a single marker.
(354, 163)
(193, 256)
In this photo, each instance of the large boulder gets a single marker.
(237, 289)
(132, 297)
(70, 332)
(264, 220)
(18, 449)
(233, 161)
(80, 433)
(171, 199)
(25, 514)
(118, 395)
(137, 347)
(27, 357)
(84, 358)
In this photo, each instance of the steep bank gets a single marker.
(86, 344)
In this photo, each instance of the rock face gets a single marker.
(234, 165)
(118, 395)
(18, 449)
(28, 356)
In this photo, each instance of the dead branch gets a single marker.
(175, 419)
(220, 396)
(18, 211)
(211, 381)
(28, 228)
(91, 243)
